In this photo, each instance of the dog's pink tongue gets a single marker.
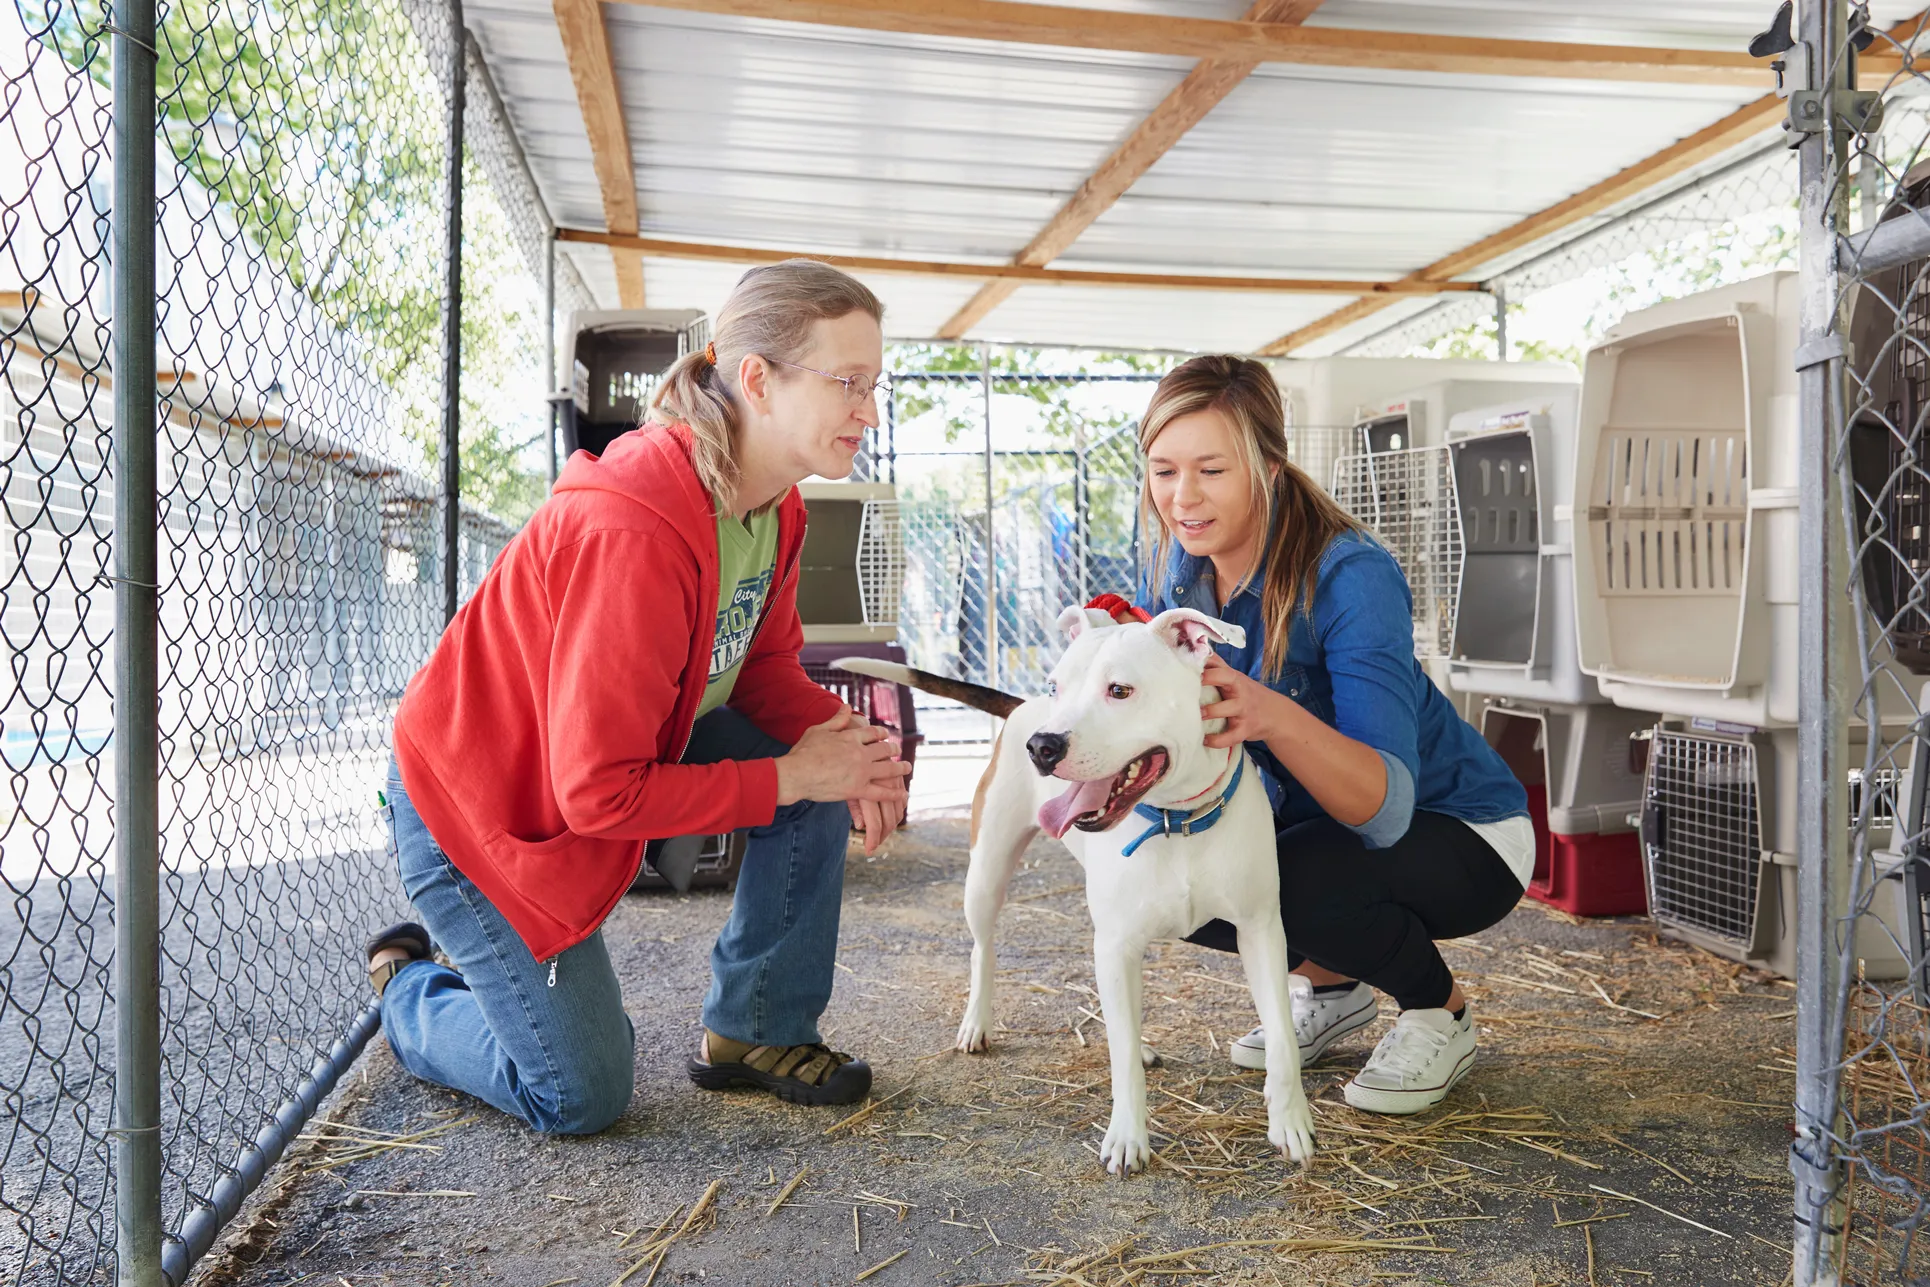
(1059, 813)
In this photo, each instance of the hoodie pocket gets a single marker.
(570, 877)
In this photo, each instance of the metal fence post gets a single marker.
(1822, 633)
(137, 794)
(991, 543)
(452, 324)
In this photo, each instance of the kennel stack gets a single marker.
(1686, 587)
(1475, 510)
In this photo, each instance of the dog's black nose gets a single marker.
(1046, 750)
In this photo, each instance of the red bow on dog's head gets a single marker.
(1119, 609)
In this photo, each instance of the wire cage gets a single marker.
(1718, 831)
(1890, 323)
(881, 561)
(1408, 499)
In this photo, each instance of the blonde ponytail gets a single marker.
(770, 313)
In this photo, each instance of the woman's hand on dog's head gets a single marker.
(1247, 705)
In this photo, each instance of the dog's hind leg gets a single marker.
(1003, 824)
(1263, 951)
(1119, 965)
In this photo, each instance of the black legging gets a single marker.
(1374, 914)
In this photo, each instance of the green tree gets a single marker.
(318, 130)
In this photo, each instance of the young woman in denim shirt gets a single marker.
(1397, 824)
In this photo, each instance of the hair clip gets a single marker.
(710, 353)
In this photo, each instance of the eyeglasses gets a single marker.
(857, 388)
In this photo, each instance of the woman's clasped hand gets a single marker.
(847, 758)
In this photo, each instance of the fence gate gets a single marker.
(1863, 1042)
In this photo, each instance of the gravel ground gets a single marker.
(983, 1169)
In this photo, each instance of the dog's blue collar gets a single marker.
(1187, 822)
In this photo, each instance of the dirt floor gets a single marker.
(1591, 1145)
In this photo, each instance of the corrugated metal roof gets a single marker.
(785, 135)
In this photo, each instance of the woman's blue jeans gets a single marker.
(560, 1055)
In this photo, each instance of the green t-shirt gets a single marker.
(746, 558)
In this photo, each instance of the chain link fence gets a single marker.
(1018, 481)
(1863, 1082)
(300, 185)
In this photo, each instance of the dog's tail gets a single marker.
(977, 696)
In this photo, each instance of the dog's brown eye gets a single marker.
(1118, 692)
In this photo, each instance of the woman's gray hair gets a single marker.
(770, 312)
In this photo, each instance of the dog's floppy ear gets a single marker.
(1075, 621)
(1192, 634)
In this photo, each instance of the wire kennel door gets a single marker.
(1409, 501)
(1702, 839)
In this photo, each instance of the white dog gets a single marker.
(1171, 834)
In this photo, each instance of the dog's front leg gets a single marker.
(1004, 830)
(1263, 951)
(1119, 966)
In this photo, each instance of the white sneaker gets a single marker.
(1318, 1021)
(1416, 1064)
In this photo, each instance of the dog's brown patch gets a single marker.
(985, 783)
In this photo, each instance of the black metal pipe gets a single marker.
(452, 325)
(223, 1203)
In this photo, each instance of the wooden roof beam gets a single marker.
(1205, 86)
(1023, 274)
(587, 46)
(1247, 40)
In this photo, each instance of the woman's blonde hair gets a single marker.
(770, 313)
(1304, 518)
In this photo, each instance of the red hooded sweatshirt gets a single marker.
(540, 741)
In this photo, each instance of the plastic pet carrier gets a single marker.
(616, 359)
(1582, 791)
(1718, 841)
(719, 858)
(852, 577)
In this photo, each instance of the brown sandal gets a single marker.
(408, 936)
(806, 1074)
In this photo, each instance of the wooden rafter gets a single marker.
(587, 46)
(1246, 40)
(1022, 273)
(1205, 86)
(1739, 126)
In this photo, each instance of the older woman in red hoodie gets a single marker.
(628, 671)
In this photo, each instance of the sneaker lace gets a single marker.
(1407, 1045)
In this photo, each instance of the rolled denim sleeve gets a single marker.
(1363, 612)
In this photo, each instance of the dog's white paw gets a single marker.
(1290, 1124)
(1126, 1148)
(1148, 1057)
(973, 1031)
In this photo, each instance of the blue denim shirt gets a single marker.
(1351, 662)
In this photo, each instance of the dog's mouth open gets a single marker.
(1099, 803)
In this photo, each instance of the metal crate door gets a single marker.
(1408, 501)
(1702, 835)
